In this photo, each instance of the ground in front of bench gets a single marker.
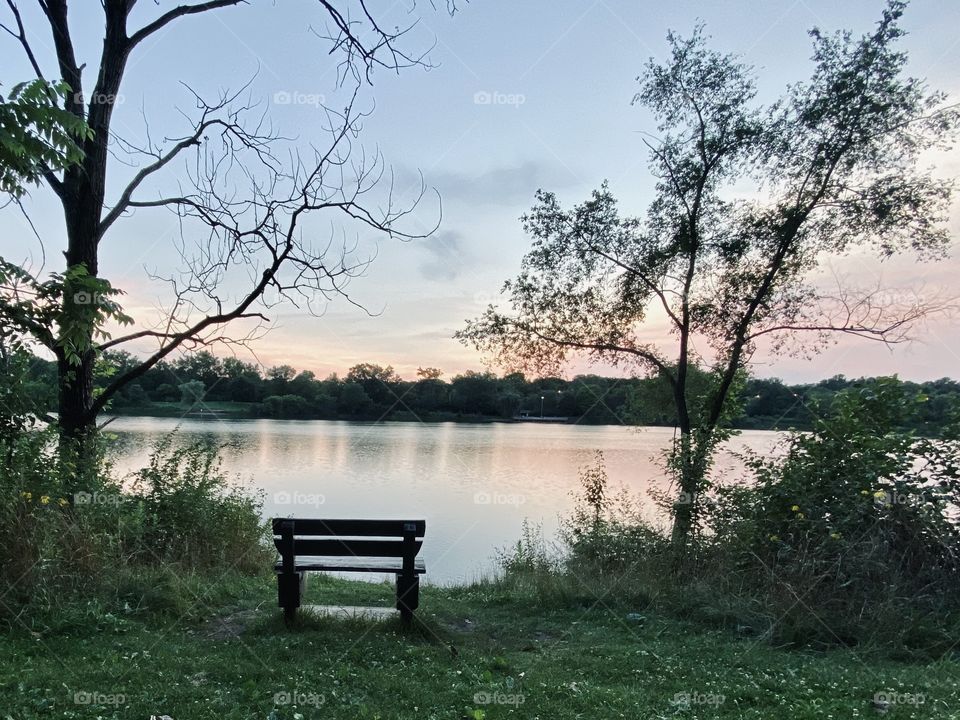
(352, 611)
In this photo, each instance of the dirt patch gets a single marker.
(461, 626)
(230, 626)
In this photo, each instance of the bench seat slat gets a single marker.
(353, 564)
(360, 548)
(359, 528)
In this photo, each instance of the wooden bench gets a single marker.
(311, 545)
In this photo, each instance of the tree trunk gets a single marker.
(691, 463)
(82, 196)
(688, 486)
(82, 204)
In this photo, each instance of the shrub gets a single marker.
(606, 534)
(855, 526)
(180, 516)
(46, 549)
(192, 514)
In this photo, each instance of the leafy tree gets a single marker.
(292, 407)
(429, 373)
(191, 391)
(167, 392)
(353, 399)
(305, 385)
(429, 393)
(235, 367)
(379, 383)
(836, 165)
(203, 366)
(474, 392)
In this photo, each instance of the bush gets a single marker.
(191, 514)
(605, 551)
(532, 569)
(855, 526)
(606, 534)
(46, 549)
(61, 550)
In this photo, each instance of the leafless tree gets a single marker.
(245, 206)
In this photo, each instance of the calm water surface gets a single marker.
(474, 483)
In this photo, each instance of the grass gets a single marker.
(225, 654)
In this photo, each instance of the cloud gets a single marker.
(446, 256)
(505, 185)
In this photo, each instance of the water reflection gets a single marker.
(474, 483)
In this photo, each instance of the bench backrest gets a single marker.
(295, 537)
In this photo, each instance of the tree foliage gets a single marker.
(835, 166)
(37, 135)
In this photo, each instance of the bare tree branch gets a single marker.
(177, 12)
(21, 37)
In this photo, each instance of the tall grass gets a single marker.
(121, 542)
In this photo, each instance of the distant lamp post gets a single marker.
(541, 407)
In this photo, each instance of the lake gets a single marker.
(474, 483)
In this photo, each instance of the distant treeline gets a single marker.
(369, 392)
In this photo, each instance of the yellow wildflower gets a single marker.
(63, 502)
(774, 538)
(800, 516)
(27, 496)
(45, 499)
(864, 492)
(835, 535)
(795, 508)
(880, 494)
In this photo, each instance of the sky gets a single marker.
(520, 96)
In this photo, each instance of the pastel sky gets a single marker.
(523, 95)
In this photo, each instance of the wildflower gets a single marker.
(880, 494)
(27, 496)
(800, 516)
(864, 492)
(774, 538)
(795, 508)
(45, 499)
(835, 535)
(62, 502)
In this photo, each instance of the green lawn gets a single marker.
(476, 654)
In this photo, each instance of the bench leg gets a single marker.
(289, 593)
(408, 595)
